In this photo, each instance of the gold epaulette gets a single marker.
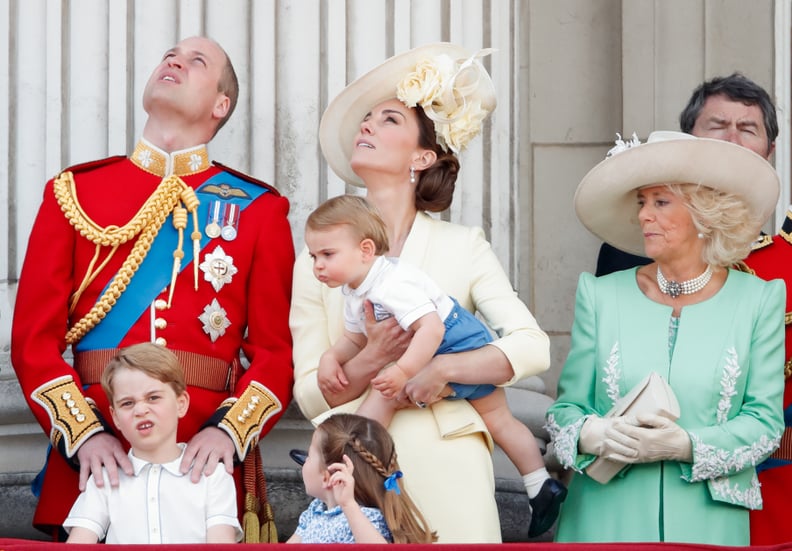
(741, 266)
(786, 228)
(763, 241)
(247, 415)
(72, 417)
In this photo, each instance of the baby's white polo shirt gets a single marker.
(395, 288)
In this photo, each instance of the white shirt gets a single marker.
(158, 504)
(395, 289)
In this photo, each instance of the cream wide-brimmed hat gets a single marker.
(606, 203)
(450, 83)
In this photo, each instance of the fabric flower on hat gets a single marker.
(623, 145)
(445, 88)
(425, 83)
(464, 128)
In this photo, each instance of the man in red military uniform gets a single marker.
(162, 246)
(772, 259)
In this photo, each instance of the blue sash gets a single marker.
(154, 273)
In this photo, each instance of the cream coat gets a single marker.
(444, 451)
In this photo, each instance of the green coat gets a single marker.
(727, 373)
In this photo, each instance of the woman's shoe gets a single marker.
(300, 456)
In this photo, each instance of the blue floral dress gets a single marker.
(318, 524)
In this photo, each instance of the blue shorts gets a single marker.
(464, 331)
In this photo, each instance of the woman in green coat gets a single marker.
(715, 335)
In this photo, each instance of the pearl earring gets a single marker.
(412, 175)
(700, 235)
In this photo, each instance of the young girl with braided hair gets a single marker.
(351, 470)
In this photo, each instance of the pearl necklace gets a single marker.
(676, 288)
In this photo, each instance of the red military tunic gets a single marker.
(241, 302)
(772, 259)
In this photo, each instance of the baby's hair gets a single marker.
(372, 452)
(152, 359)
(355, 212)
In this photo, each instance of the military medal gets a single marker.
(218, 268)
(230, 221)
(215, 320)
(212, 228)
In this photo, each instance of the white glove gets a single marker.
(647, 439)
(592, 435)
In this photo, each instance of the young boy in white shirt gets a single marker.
(346, 239)
(145, 386)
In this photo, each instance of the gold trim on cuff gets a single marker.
(248, 414)
(70, 413)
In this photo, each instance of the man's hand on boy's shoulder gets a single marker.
(102, 450)
(205, 450)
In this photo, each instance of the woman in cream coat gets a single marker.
(407, 162)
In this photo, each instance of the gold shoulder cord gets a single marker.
(146, 223)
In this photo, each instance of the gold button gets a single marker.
(160, 323)
(160, 304)
(160, 341)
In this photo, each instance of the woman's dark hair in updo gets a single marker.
(435, 189)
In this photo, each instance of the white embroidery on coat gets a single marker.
(731, 372)
(751, 497)
(195, 161)
(612, 374)
(710, 462)
(565, 440)
(145, 158)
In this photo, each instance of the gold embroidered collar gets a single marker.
(152, 159)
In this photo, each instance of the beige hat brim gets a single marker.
(607, 205)
(341, 120)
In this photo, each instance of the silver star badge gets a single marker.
(215, 320)
(218, 268)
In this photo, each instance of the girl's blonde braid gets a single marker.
(146, 222)
(369, 457)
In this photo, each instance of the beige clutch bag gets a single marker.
(652, 395)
